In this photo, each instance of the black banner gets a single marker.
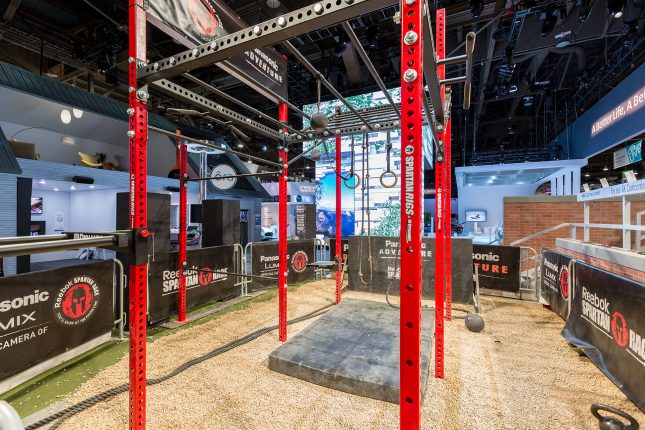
(264, 262)
(607, 322)
(344, 248)
(201, 287)
(43, 314)
(556, 281)
(195, 22)
(498, 267)
(385, 267)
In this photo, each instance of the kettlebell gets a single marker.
(608, 422)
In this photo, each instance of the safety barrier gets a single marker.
(261, 262)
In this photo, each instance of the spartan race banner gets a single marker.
(344, 249)
(607, 322)
(195, 22)
(385, 267)
(201, 287)
(556, 288)
(498, 267)
(264, 262)
(43, 314)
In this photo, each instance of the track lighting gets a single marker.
(476, 8)
(615, 8)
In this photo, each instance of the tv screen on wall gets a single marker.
(36, 205)
(476, 215)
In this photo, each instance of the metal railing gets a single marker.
(530, 269)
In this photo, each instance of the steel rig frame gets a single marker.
(430, 105)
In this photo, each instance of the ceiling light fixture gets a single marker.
(55, 189)
(92, 187)
(78, 113)
(65, 116)
(615, 8)
(42, 182)
(587, 175)
(72, 188)
(68, 141)
(604, 169)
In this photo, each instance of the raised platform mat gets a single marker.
(353, 348)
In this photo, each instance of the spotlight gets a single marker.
(78, 113)
(42, 182)
(604, 169)
(615, 8)
(264, 148)
(55, 189)
(240, 145)
(512, 88)
(587, 175)
(72, 188)
(65, 116)
(476, 8)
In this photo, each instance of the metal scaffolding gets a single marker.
(422, 104)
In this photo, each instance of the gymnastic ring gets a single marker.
(352, 175)
(393, 184)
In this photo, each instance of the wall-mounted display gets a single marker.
(36, 205)
(476, 215)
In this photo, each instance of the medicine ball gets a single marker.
(319, 121)
(474, 322)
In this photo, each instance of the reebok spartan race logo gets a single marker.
(77, 301)
(596, 310)
(564, 282)
(204, 19)
(299, 261)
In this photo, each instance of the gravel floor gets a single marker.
(518, 374)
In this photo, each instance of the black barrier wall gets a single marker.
(556, 281)
(201, 286)
(43, 314)
(385, 267)
(344, 249)
(264, 262)
(607, 322)
(498, 267)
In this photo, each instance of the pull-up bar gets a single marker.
(239, 175)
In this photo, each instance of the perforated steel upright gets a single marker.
(339, 211)
(283, 116)
(411, 192)
(183, 222)
(441, 164)
(138, 134)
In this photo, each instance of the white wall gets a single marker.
(161, 151)
(53, 202)
(491, 199)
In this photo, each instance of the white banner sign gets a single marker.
(637, 187)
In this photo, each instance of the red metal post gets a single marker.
(339, 211)
(283, 115)
(411, 213)
(138, 134)
(183, 228)
(440, 213)
(448, 215)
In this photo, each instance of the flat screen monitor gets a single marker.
(36, 205)
(476, 215)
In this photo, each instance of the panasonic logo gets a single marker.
(19, 302)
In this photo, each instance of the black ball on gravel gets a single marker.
(474, 322)
(319, 121)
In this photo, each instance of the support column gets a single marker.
(339, 211)
(283, 116)
(447, 153)
(183, 228)
(440, 225)
(411, 213)
(138, 134)
(627, 220)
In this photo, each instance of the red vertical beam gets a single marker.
(283, 116)
(183, 228)
(440, 224)
(447, 215)
(339, 211)
(412, 209)
(138, 134)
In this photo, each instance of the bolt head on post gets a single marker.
(155, 67)
(282, 22)
(131, 134)
(257, 30)
(318, 9)
(410, 75)
(130, 60)
(214, 46)
(439, 127)
(196, 52)
(172, 61)
(410, 37)
(410, 2)
(130, 111)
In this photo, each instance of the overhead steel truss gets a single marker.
(422, 103)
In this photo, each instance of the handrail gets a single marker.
(574, 225)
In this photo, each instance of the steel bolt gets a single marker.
(130, 134)
(396, 123)
(325, 133)
(142, 94)
(257, 30)
(141, 64)
(318, 8)
(410, 37)
(282, 22)
(155, 66)
(377, 126)
(131, 89)
(409, 2)
(130, 111)
(196, 52)
(130, 60)
(439, 157)
(309, 135)
(363, 127)
(439, 127)
(349, 1)
(214, 46)
(337, 131)
(172, 60)
(410, 75)
(299, 137)
(440, 142)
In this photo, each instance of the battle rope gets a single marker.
(60, 416)
(388, 170)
